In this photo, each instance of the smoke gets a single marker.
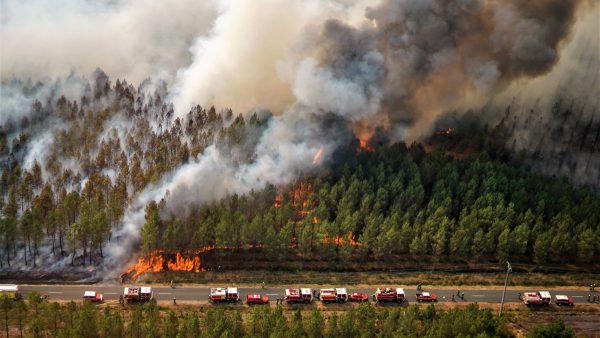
(127, 38)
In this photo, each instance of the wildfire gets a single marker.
(156, 262)
(317, 155)
(445, 132)
(364, 146)
(184, 264)
(340, 240)
(302, 191)
(278, 199)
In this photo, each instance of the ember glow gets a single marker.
(364, 146)
(317, 155)
(340, 240)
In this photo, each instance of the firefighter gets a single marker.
(263, 284)
(419, 286)
(452, 297)
(172, 285)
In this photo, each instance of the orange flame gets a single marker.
(317, 155)
(184, 264)
(155, 262)
(445, 132)
(340, 240)
(278, 199)
(364, 146)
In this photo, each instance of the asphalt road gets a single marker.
(162, 293)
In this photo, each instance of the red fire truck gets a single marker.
(222, 295)
(137, 294)
(338, 295)
(386, 295)
(302, 295)
(256, 299)
(541, 298)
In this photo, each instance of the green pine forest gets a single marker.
(400, 201)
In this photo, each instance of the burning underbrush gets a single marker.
(159, 261)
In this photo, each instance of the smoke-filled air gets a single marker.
(112, 110)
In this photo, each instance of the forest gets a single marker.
(398, 201)
(40, 318)
(72, 167)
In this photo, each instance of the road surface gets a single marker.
(186, 293)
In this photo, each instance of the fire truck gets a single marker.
(137, 294)
(563, 300)
(426, 297)
(10, 290)
(386, 295)
(222, 295)
(337, 295)
(302, 295)
(93, 296)
(541, 298)
(257, 300)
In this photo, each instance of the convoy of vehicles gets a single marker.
(337, 295)
(540, 298)
(137, 294)
(386, 295)
(93, 296)
(10, 290)
(302, 295)
(224, 295)
(257, 299)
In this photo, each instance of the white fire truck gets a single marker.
(337, 295)
(302, 295)
(222, 295)
(541, 298)
(137, 294)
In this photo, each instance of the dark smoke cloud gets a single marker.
(438, 53)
